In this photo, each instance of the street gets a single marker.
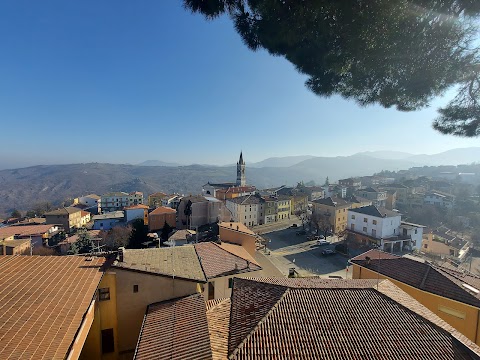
(288, 250)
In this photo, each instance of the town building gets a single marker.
(68, 217)
(331, 211)
(439, 198)
(220, 263)
(195, 211)
(210, 189)
(91, 203)
(391, 201)
(235, 191)
(115, 201)
(278, 318)
(452, 295)
(237, 233)
(15, 247)
(57, 307)
(135, 212)
(354, 183)
(377, 196)
(374, 226)
(249, 210)
(38, 235)
(284, 208)
(85, 218)
(106, 221)
(270, 209)
(402, 193)
(444, 245)
(161, 215)
(155, 199)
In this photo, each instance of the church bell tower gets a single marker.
(241, 181)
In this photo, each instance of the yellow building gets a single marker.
(452, 295)
(284, 206)
(68, 217)
(299, 203)
(155, 200)
(332, 210)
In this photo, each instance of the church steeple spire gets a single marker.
(241, 180)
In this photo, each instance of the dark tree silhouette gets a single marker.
(400, 53)
(166, 230)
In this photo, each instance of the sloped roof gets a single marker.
(64, 211)
(330, 319)
(226, 259)
(24, 230)
(218, 316)
(181, 261)
(332, 201)
(246, 200)
(424, 276)
(184, 330)
(133, 207)
(44, 300)
(162, 210)
(372, 210)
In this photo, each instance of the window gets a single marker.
(415, 231)
(103, 294)
(230, 283)
(135, 288)
(374, 232)
(365, 220)
(374, 222)
(108, 343)
(364, 229)
(353, 217)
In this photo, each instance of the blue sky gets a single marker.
(126, 81)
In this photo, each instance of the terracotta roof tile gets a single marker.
(181, 261)
(175, 329)
(335, 319)
(422, 275)
(218, 316)
(217, 262)
(24, 230)
(162, 210)
(43, 300)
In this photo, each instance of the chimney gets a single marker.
(120, 253)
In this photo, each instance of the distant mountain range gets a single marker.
(450, 157)
(22, 188)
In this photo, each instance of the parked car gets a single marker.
(294, 225)
(322, 242)
(328, 252)
(301, 232)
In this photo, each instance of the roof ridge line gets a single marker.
(236, 254)
(260, 322)
(201, 265)
(422, 284)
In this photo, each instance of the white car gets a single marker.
(323, 242)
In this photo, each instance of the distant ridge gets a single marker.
(157, 163)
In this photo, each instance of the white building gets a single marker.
(118, 200)
(248, 210)
(378, 226)
(136, 212)
(90, 202)
(439, 198)
(108, 220)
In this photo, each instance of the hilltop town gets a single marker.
(239, 272)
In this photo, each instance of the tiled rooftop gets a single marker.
(373, 210)
(162, 210)
(43, 300)
(332, 201)
(175, 329)
(329, 319)
(181, 261)
(24, 230)
(64, 211)
(246, 200)
(424, 276)
(226, 259)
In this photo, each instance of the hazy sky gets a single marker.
(126, 81)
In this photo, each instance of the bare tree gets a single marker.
(118, 236)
